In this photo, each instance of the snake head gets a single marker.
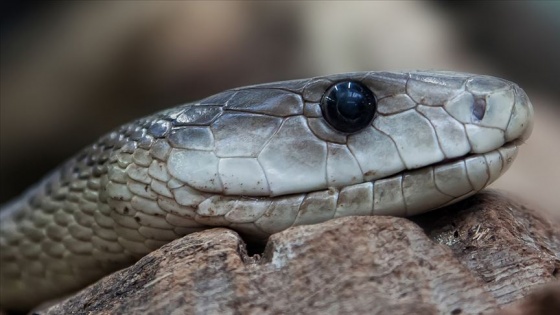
(277, 139)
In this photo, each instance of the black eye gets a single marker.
(348, 106)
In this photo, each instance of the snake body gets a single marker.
(258, 160)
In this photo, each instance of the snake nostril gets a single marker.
(479, 107)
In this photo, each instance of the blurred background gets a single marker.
(71, 71)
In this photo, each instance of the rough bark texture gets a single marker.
(475, 257)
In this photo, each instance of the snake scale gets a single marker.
(258, 160)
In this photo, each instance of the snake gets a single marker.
(259, 160)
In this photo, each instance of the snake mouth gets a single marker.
(509, 145)
(407, 193)
(416, 191)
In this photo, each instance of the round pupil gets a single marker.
(348, 106)
(350, 102)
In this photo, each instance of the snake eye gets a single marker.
(348, 106)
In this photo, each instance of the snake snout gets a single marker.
(494, 112)
(520, 124)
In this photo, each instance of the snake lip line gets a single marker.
(512, 144)
(509, 145)
(515, 143)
